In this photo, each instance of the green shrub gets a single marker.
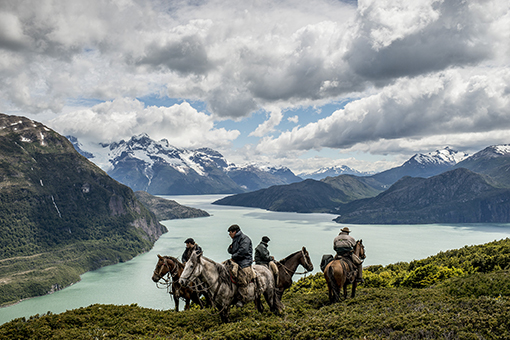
(428, 275)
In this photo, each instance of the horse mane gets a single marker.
(288, 257)
(223, 273)
(179, 263)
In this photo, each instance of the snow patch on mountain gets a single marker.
(446, 156)
(332, 172)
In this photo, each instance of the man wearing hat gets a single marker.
(242, 254)
(344, 244)
(262, 255)
(191, 246)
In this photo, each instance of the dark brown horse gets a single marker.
(172, 268)
(287, 268)
(341, 272)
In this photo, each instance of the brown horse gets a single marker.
(341, 272)
(287, 268)
(172, 267)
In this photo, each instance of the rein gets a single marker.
(295, 273)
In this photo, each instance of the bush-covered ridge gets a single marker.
(475, 305)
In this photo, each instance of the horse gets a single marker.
(287, 268)
(221, 287)
(172, 267)
(337, 274)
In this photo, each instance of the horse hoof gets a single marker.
(239, 304)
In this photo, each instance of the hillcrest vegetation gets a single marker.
(457, 294)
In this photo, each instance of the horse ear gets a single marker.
(304, 248)
(159, 256)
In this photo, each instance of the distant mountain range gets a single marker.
(441, 187)
(161, 169)
(333, 172)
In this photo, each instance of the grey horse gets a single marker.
(222, 290)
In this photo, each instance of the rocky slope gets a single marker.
(162, 169)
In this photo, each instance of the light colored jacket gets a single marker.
(344, 242)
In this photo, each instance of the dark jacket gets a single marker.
(187, 252)
(241, 250)
(262, 255)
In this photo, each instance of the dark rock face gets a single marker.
(456, 196)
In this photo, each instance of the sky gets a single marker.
(299, 83)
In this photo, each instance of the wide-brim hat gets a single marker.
(345, 229)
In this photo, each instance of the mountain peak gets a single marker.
(446, 156)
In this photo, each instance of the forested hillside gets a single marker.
(60, 215)
(457, 294)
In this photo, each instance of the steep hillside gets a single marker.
(493, 161)
(60, 215)
(305, 197)
(161, 169)
(165, 209)
(355, 188)
(456, 196)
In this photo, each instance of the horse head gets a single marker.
(361, 249)
(306, 262)
(192, 269)
(160, 270)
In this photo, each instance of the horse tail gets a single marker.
(334, 289)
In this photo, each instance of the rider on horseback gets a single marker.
(191, 246)
(242, 254)
(344, 244)
(263, 257)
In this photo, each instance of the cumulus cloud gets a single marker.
(452, 102)
(180, 124)
(421, 68)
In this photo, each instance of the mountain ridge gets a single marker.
(161, 169)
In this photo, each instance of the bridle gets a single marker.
(308, 264)
(173, 272)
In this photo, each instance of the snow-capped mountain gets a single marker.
(422, 165)
(333, 172)
(446, 156)
(162, 169)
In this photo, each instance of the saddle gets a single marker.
(234, 271)
(352, 270)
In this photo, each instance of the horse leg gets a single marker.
(196, 299)
(258, 304)
(345, 290)
(224, 314)
(176, 303)
(186, 307)
(354, 285)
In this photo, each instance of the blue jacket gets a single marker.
(241, 250)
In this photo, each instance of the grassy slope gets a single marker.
(474, 305)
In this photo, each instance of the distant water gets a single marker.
(130, 282)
